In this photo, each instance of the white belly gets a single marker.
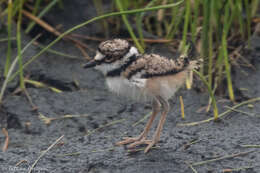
(124, 87)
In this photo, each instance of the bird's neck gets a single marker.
(126, 62)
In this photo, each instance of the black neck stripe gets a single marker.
(118, 71)
(150, 75)
(132, 73)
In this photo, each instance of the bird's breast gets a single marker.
(125, 87)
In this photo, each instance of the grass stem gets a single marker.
(222, 114)
(129, 28)
(19, 45)
(9, 30)
(214, 103)
(43, 153)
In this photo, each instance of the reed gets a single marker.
(139, 24)
(19, 45)
(9, 30)
(186, 24)
(211, 93)
(225, 53)
(128, 26)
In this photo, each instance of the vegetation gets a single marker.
(210, 24)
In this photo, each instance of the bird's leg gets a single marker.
(143, 135)
(156, 137)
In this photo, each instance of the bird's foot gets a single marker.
(128, 140)
(150, 144)
(137, 141)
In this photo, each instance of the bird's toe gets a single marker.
(127, 140)
(143, 141)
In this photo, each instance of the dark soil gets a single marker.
(96, 152)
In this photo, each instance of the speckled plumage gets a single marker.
(151, 65)
(142, 77)
(114, 48)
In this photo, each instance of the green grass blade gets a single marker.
(15, 7)
(139, 23)
(57, 52)
(41, 14)
(90, 21)
(254, 7)
(225, 54)
(218, 21)
(177, 16)
(219, 67)
(231, 21)
(205, 34)
(129, 28)
(9, 30)
(238, 6)
(248, 21)
(214, 103)
(6, 39)
(19, 44)
(186, 24)
(210, 41)
(194, 22)
(12, 68)
(227, 69)
(36, 7)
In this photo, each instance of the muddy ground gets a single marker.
(84, 149)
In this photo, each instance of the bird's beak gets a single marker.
(90, 64)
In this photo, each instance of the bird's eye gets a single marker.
(108, 58)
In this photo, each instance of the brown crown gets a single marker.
(115, 47)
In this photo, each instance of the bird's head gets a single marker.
(111, 54)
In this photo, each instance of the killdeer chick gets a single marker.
(142, 77)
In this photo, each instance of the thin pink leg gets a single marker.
(141, 138)
(156, 137)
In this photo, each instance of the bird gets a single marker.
(143, 77)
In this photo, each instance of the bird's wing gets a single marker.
(152, 65)
(157, 65)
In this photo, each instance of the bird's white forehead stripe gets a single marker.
(99, 56)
